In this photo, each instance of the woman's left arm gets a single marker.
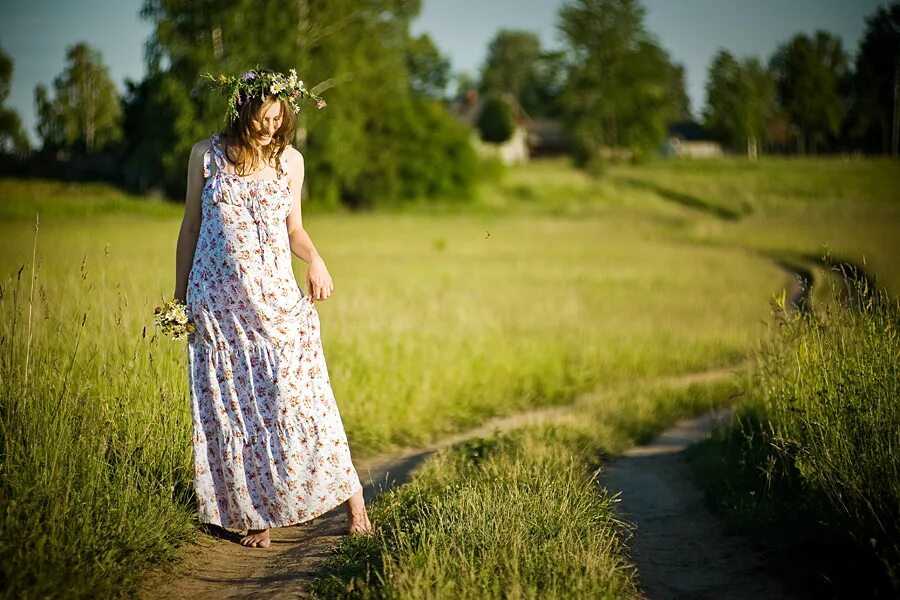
(318, 281)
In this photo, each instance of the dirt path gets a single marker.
(217, 567)
(681, 549)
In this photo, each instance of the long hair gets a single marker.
(240, 133)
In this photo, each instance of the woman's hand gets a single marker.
(318, 281)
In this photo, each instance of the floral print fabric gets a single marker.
(269, 445)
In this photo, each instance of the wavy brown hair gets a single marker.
(240, 135)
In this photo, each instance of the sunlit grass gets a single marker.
(553, 285)
(518, 515)
(22, 198)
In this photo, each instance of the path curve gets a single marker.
(681, 549)
(216, 566)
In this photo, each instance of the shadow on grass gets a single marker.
(807, 547)
(686, 200)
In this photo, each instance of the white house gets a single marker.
(688, 139)
(514, 150)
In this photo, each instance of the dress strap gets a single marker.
(281, 170)
(216, 154)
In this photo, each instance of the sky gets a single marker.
(36, 33)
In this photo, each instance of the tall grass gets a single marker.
(94, 480)
(814, 453)
(518, 515)
(423, 338)
(436, 325)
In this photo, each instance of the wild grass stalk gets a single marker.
(518, 514)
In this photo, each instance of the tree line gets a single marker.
(387, 135)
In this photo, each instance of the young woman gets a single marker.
(269, 445)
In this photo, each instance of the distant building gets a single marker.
(514, 150)
(547, 138)
(688, 139)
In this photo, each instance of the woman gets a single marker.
(269, 446)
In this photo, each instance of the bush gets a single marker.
(495, 121)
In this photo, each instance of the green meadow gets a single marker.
(547, 288)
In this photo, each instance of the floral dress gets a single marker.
(269, 445)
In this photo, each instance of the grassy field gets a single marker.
(549, 285)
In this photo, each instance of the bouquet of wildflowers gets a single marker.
(172, 319)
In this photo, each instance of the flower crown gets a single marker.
(257, 84)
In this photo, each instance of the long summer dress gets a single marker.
(269, 445)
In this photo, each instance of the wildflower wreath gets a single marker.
(259, 84)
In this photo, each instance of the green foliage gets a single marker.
(161, 125)
(429, 70)
(495, 121)
(618, 91)
(835, 418)
(367, 148)
(510, 62)
(818, 436)
(49, 125)
(680, 101)
(740, 97)
(85, 112)
(95, 480)
(12, 135)
(516, 65)
(432, 138)
(810, 75)
(875, 76)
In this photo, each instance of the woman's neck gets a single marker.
(255, 150)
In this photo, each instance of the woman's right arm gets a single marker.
(190, 224)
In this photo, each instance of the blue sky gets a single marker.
(36, 33)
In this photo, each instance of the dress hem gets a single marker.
(276, 524)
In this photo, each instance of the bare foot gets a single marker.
(363, 526)
(256, 538)
(356, 514)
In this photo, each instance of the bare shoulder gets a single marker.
(292, 158)
(202, 147)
